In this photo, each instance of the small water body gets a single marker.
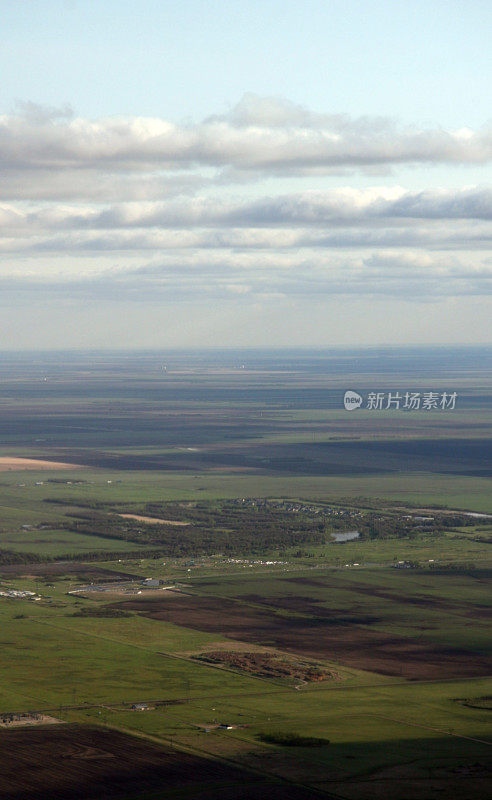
(346, 536)
(476, 516)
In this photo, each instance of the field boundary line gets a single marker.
(164, 654)
(171, 742)
(425, 727)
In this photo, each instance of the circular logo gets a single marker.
(351, 401)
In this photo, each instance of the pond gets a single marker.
(346, 536)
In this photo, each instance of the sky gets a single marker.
(243, 173)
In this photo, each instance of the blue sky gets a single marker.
(245, 173)
(424, 62)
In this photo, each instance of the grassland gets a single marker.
(406, 651)
(417, 736)
(54, 543)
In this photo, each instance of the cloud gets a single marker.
(131, 241)
(265, 134)
(38, 114)
(340, 218)
(338, 207)
(245, 277)
(159, 198)
(97, 185)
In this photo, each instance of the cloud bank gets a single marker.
(191, 211)
(264, 134)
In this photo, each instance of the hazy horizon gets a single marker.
(287, 348)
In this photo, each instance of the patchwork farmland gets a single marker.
(309, 612)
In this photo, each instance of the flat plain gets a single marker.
(350, 669)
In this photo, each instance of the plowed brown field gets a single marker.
(74, 762)
(353, 645)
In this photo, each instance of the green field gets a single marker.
(379, 727)
(396, 622)
(422, 489)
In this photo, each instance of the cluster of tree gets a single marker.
(101, 611)
(11, 557)
(454, 520)
(227, 514)
(464, 568)
(235, 528)
(212, 527)
(108, 555)
(74, 501)
(391, 526)
(288, 739)
(219, 536)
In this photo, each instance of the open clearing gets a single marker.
(8, 463)
(154, 521)
(76, 570)
(268, 665)
(27, 720)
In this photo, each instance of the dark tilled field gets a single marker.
(73, 762)
(316, 637)
(446, 456)
(412, 599)
(75, 569)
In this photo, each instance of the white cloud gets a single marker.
(220, 275)
(337, 207)
(157, 198)
(130, 241)
(260, 133)
(340, 218)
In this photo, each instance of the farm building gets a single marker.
(151, 583)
